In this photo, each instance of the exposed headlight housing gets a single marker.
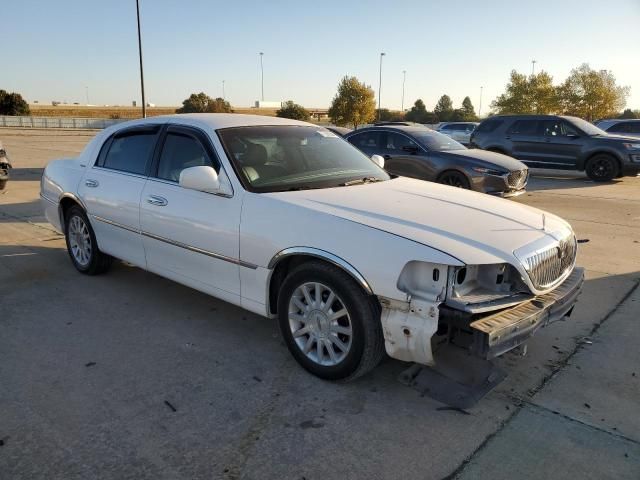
(482, 288)
(488, 171)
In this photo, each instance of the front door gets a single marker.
(404, 157)
(190, 236)
(111, 190)
(563, 143)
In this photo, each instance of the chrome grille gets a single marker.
(518, 178)
(547, 267)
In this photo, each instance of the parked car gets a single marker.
(459, 131)
(5, 166)
(287, 220)
(555, 141)
(628, 128)
(419, 152)
(342, 131)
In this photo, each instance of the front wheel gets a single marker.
(331, 327)
(82, 245)
(454, 179)
(602, 168)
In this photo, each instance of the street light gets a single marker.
(382, 54)
(480, 106)
(404, 78)
(223, 95)
(533, 66)
(262, 74)
(144, 103)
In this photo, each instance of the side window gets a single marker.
(180, 152)
(568, 129)
(524, 127)
(365, 140)
(622, 127)
(447, 128)
(397, 142)
(634, 127)
(489, 126)
(130, 152)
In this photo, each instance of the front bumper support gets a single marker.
(498, 333)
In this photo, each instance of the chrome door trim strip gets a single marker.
(191, 248)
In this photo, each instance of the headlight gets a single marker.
(488, 171)
(632, 146)
(481, 288)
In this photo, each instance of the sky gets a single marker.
(63, 49)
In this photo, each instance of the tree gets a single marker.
(386, 115)
(294, 111)
(467, 111)
(12, 104)
(592, 94)
(419, 113)
(532, 94)
(202, 103)
(629, 114)
(354, 104)
(444, 108)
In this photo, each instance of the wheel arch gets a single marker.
(289, 258)
(455, 169)
(67, 201)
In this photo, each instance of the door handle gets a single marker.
(91, 183)
(157, 200)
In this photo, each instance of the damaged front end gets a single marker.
(457, 319)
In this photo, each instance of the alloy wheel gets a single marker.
(80, 241)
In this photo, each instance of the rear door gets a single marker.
(526, 140)
(191, 236)
(369, 142)
(111, 191)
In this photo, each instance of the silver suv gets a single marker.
(620, 126)
(459, 131)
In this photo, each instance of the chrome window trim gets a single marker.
(121, 172)
(178, 244)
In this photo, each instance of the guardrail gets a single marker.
(57, 122)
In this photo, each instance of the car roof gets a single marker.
(401, 128)
(215, 121)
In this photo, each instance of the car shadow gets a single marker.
(544, 179)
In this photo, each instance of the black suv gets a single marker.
(554, 141)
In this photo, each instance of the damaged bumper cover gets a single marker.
(500, 332)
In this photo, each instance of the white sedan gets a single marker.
(288, 220)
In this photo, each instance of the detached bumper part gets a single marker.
(496, 334)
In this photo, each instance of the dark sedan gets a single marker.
(422, 153)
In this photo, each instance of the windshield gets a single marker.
(436, 141)
(585, 126)
(289, 157)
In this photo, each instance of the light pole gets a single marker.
(262, 75)
(87, 92)
(533, 67)
(404, 78)
(144, 102)
(382, 54)
(223, 95)
(480, 105)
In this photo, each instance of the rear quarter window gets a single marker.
(129, 152)
(489, 125)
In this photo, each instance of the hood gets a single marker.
(487, 158)
(473, 227)
(617, 138)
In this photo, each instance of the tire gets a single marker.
(602, 168)
(81, 244)
(453, 178)
(359, 330)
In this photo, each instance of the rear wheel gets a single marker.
(331, 327)
(602, 168)
(454, 179)
(82, 245)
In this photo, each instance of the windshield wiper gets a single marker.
(359, 181)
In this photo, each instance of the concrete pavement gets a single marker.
(128, 375)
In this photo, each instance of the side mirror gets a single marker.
(202, 179)
(378, 160)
